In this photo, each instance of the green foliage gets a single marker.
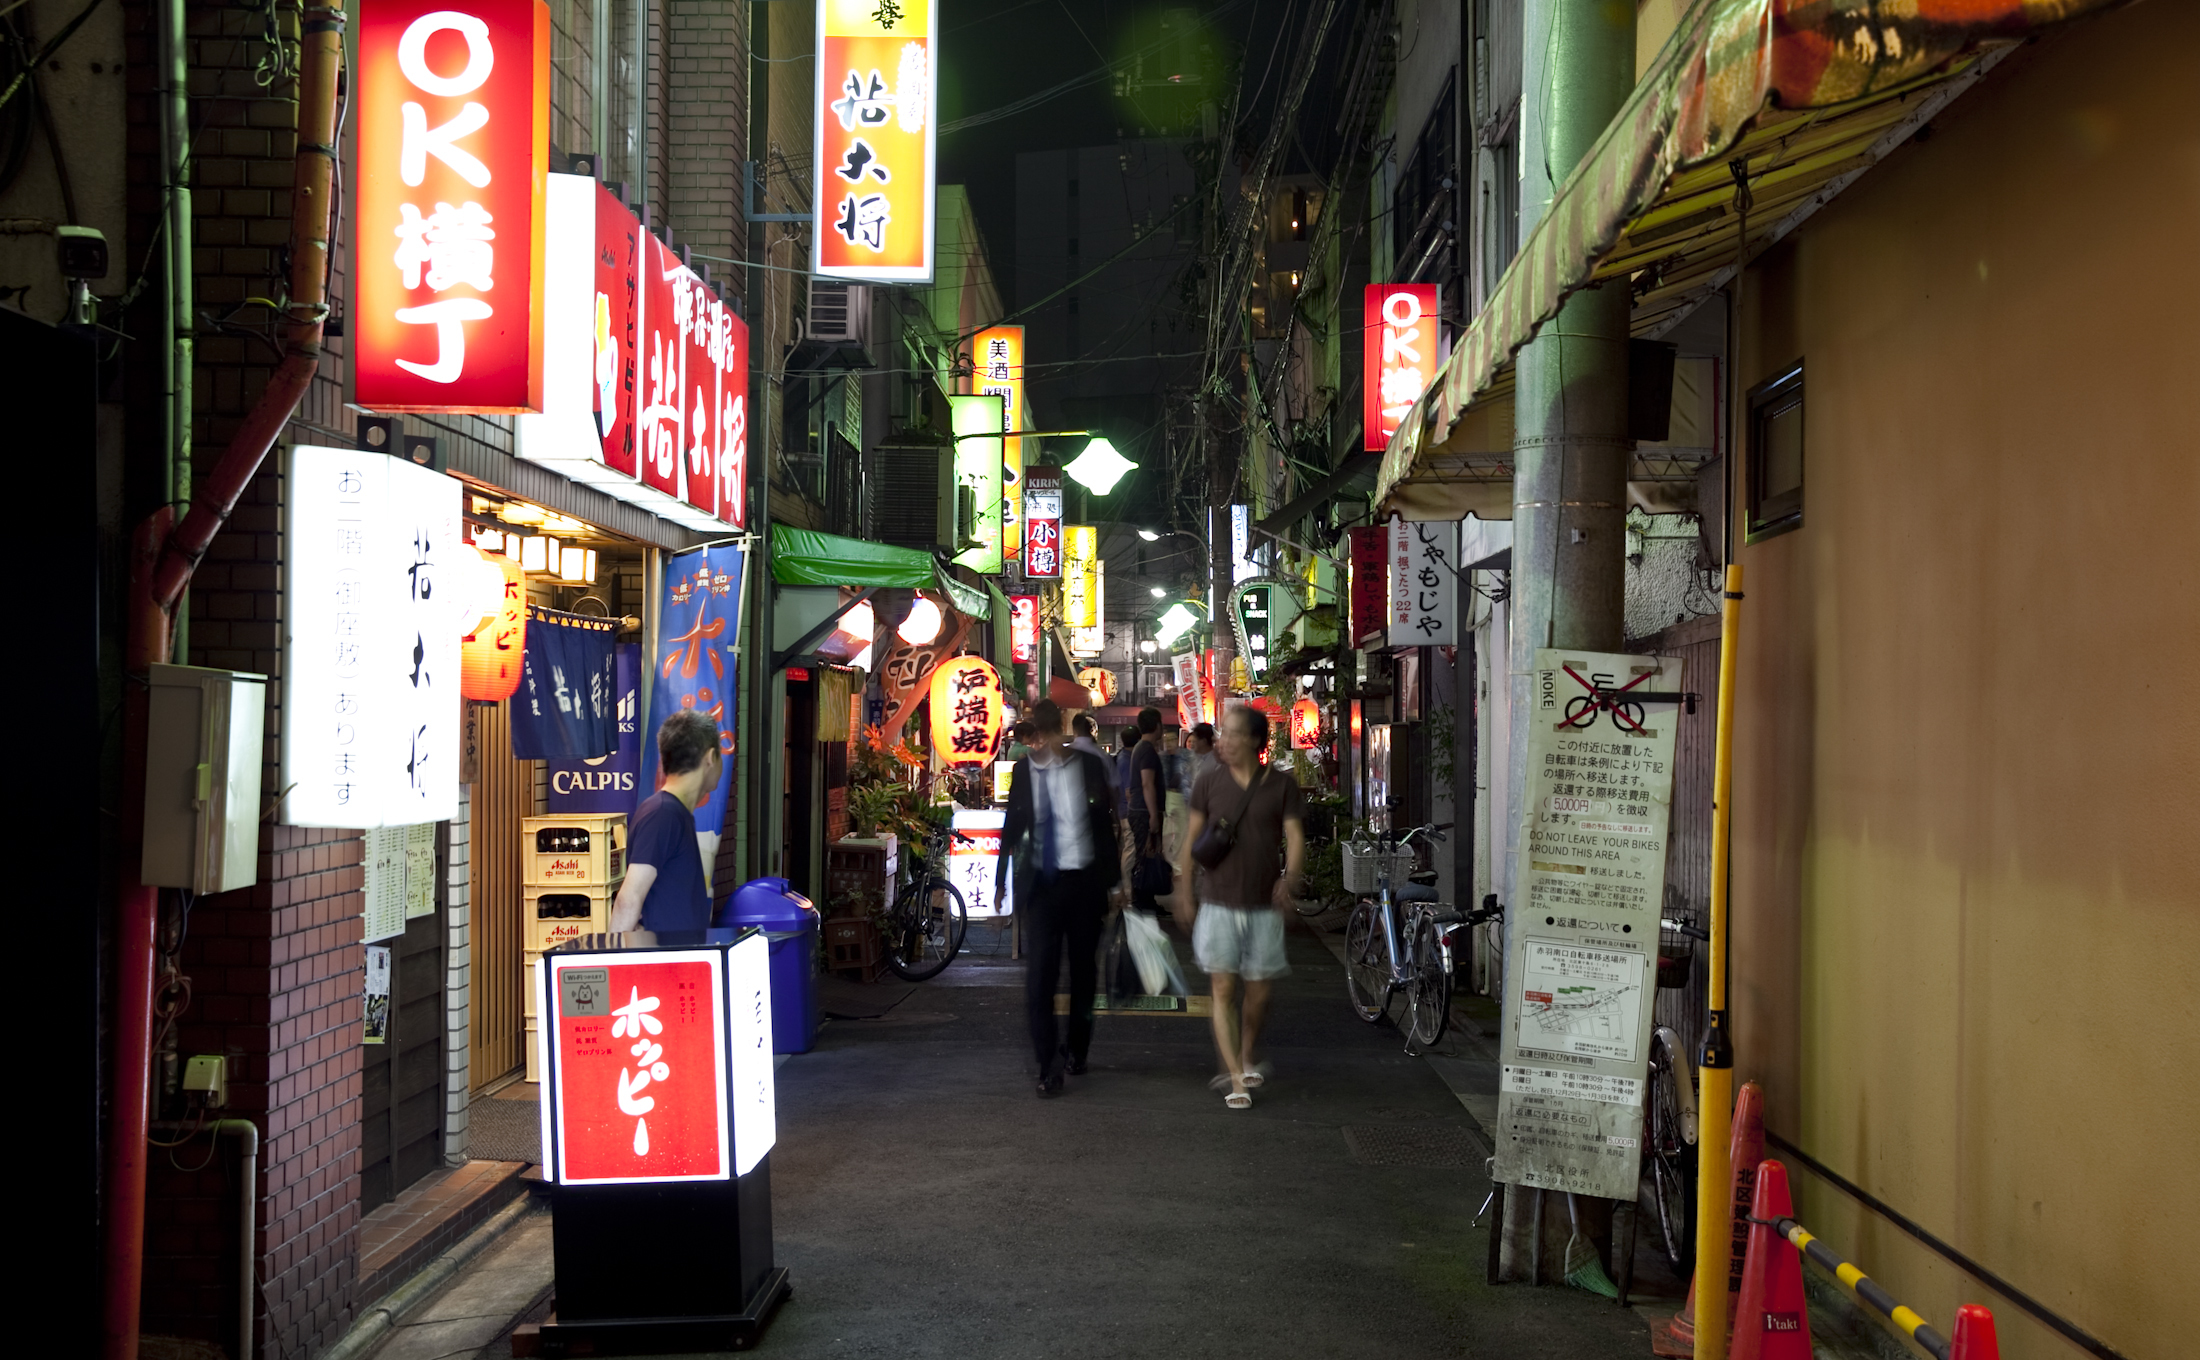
(882, 792)
(1443, 744)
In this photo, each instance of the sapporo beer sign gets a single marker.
(875, 115)
(1398, 355)
(967, 708)
(447, 274)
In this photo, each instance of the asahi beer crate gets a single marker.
(531, 1040)
(859, 874)
(551, 916)
(574, 847)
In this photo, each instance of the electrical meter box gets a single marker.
(203, 754)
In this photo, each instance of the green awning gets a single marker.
(805, 557)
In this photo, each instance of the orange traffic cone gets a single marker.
(1677, 1338)
(1974, 1338)
(1771, 1321)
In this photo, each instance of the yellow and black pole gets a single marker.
(1715, 1065)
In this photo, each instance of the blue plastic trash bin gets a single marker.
(791, 924)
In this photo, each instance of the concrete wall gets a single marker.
(1965, 924)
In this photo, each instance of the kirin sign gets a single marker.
(454, 134)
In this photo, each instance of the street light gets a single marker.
(1174, 623)
(1158, 592)
(1099, 467)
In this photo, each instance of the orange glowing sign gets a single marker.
(998, 355)
(453, 103)
(967, 710)
(875, 113)
(1306, 725)
(489, 658)
(1398, 354)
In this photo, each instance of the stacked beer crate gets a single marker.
(859, 882)
(573, 864)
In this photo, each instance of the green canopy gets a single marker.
(805, 557)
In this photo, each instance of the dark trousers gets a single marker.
(1141, 827)
(1063, 914)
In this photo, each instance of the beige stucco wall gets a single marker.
(1967, 790)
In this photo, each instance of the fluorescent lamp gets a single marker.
(859, 622)
(1099, 467)
(1158, 593)
(489, 540)
(534, 553)
(1149, 535)
(573, 564)
(591, 562)
(922, 625)
(1174, 624)
(515, 547)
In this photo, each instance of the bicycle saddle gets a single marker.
(1413, 892)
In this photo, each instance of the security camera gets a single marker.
(83, 252)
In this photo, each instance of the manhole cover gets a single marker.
(1435, 1146)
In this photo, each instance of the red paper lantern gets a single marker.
(1306, 725)
(967, 711)
(490, 657)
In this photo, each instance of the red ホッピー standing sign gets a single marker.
(453, 105)
(639, 1077)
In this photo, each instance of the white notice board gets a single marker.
(1581, 934)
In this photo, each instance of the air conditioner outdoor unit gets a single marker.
(839, 313)
(915, 497)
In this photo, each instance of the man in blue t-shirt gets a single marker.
(665, 889)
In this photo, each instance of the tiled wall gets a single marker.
(457, 991)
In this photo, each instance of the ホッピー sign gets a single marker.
(447, 238)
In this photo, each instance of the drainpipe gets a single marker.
(247, 1135)
(160, 572)
(176, 356)
(1570, 444)
(760, 747)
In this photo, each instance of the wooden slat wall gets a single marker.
(505, 792)
(1688, 849)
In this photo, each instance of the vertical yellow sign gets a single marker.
(1080, 576)
(875, 112)
(998, 352)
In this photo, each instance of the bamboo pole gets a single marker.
(1715, 1065)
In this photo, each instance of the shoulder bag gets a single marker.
(1219, 837)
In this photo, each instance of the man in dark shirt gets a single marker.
(665, 889)
(1143, 785)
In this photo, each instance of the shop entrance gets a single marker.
(505, 791)
(401, 1087)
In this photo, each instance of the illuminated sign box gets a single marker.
(376, 579)
(453, 109)
(875, 115)
(1398, 355)
(998, 355)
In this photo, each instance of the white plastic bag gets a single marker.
(1153, 955)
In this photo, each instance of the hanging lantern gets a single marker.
(490, 656)
(967, 709)
(1099, 682)
(1306, 725)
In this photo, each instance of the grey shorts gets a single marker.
(1247, 941)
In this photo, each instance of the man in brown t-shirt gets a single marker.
(1241, 902)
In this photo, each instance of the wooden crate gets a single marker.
(579, 848)
(546, 919)
(852, 946)
(859, 875)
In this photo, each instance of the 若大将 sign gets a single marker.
(1581, 940)
(1397, 353)
(875, 115)
(453, 106)
(1424, 590)
(372, 599)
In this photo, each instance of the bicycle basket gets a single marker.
(1363, 868)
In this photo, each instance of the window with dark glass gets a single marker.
(1775, 467)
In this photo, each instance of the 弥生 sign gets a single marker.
(374, 587)
(967, 710)
(453, 107)
(1253, 620)
(875, 114)
(974, 860)
(1398, 355)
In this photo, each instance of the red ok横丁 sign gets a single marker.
(639, 1066)
(453, 104)
(1398, 353)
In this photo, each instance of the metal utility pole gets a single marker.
(1570, 444)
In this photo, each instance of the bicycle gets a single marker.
(923, 931)
(1669, 1121)
(1386, 955)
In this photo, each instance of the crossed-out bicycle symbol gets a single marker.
(1582, 709)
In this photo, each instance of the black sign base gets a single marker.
(658, 1336)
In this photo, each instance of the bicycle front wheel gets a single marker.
(1428, 989)
(1366, 964)
(1672, 1160)
(925, 929)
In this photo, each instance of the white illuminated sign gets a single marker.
(749, 1020)
(371, 639)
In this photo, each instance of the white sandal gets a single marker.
(1239, 1100)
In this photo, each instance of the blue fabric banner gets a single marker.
(606, 783)
(698, 629)
(565, 707)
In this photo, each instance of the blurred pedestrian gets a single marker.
(1175, 760)
(1244, 893)
(1201, 744)
(1060, 839)
(1142, 789)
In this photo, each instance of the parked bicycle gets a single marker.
(1398, 939)
(1670, 1117)
(924, 929)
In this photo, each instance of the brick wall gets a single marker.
(457, 988)
(706, 130)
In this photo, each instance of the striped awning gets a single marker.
(1798, 96)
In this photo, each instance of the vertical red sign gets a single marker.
(616, 330)
(1370, 580)
(1398, 355)
(1042, 523)
(693, 365)
(640, 1067)
(1023, 629)
(453, 103)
